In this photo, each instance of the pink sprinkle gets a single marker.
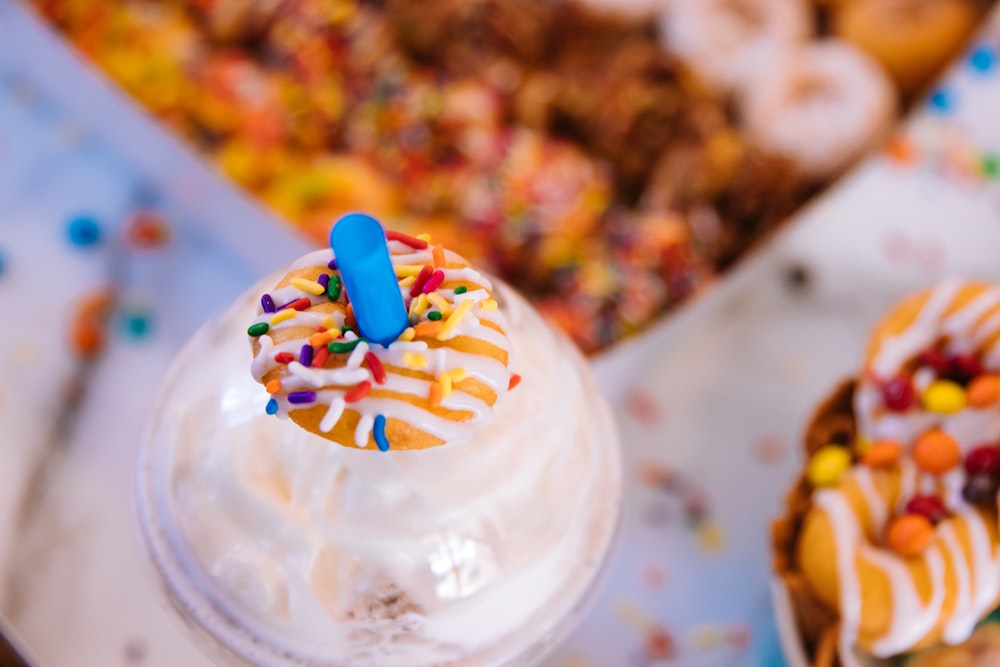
(433, 282)
(422, 277)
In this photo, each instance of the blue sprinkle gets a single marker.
(306, 355)
(83, 231)
(136, 323)
(272, 407)
(267, 303)
(942, 100)
(378, 430)
(983, 58)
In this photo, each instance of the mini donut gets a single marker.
(727, 42)
(432, 386)
(912, 39)
(821, 107)
(905, 543)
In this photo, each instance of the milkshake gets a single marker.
(476, 538)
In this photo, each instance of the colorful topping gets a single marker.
(258, 329)
(943, 397)
(828, 465)
(984, 391)
(909, 534)
(936, 452)
(983, 460)
(395, 389)
(267, 304)
(898, 394)
(930, 506)
(882, 454)
(981, 490)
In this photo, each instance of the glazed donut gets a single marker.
(912, 39)
(432, 386)
(820, 107)
(729, 42)
(904, 543)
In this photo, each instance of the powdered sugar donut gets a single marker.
(820, 107)
(431, 386)
(727, 42)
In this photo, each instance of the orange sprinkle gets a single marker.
(438, 255)
(88, 338)
(320, 339)
(515, 380)
(434, 395)
(900, 150)
(273, 387)
(428, 328)
(349, 316)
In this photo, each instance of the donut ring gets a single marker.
(820, 107)
(890, 600)
(432, 386)
(912, 39)
(729, 42)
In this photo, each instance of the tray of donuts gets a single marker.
(609, 159)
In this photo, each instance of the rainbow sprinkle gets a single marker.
(378, 432)
(307, 286)
(267, 303)
(461, 310)
(258, 329)
(283, 316)
(414, 360)
(302, 397)
(272, 407)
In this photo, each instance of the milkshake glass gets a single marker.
(280, 548)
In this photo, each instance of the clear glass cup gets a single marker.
(279, 548)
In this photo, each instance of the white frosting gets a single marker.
(455, 555)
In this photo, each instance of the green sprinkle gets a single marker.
(258, 329)
(344, 329)
(991, 165)
(342, 346)
(461, 289)
(333, 288)
(434, 316)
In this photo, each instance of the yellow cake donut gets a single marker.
(440, 378)
(911, 38)
(900, 530)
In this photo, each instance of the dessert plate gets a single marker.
(710, 433)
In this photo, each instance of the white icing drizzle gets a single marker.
(331, 385)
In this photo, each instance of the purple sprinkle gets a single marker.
(299, 397)
(267, 303)
(324, 279)
(332, 265)
(306, 355)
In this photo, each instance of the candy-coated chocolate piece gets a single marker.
(828, 465)
(984, 391)
(930, 506)
(962, 368)
(936, 360)
(898, 393)
(936, 452)
(944, 397)
(882, 454)
(983, 460)
(909, 534)
(981, 490)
